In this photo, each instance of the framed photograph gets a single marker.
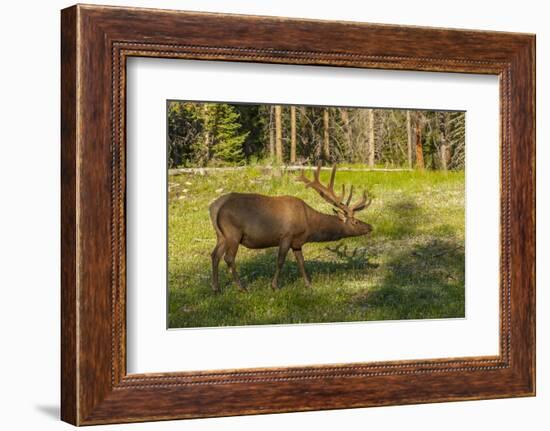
(264, 214)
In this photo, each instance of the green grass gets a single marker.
(411, 267)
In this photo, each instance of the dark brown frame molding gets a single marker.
(95, 43)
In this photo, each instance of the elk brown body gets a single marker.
(257, 221)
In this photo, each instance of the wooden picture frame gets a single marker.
(95, 43)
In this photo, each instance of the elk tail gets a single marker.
(214, 210)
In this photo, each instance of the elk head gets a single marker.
(345, 211)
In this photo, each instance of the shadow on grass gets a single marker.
(198, 306)
(422, 281)
(405, 217)
(262, 266)
(417, 281)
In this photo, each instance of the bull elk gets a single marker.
(256, 222)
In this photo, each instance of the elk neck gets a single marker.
(324, 227)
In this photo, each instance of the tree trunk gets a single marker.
(206, 152)
(271, 135)
(278, 135)
(371, 138)
(326, 140)
(409, 140)
(444, 157)
(292, 134)
(344, 115)
(419, 149)
(443, 146)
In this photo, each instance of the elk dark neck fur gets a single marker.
(325, 227)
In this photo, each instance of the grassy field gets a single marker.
(411, 267)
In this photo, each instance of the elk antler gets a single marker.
(328, 194)
(364, 203)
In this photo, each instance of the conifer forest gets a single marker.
(220, 134)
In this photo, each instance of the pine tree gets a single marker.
(222, 125)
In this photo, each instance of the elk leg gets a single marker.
(283, 250)
(216, 255)
(300, 259)
(230, 253)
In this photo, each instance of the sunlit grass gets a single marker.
(411, 267)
